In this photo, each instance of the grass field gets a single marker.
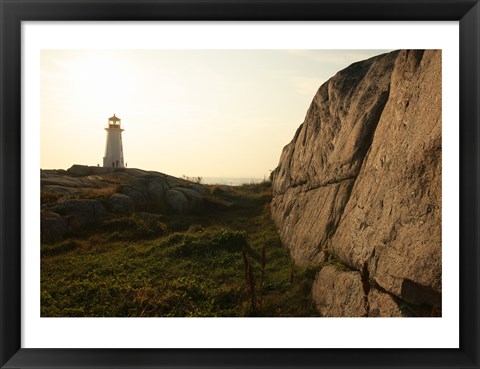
(225, 259)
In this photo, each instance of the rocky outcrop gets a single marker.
(54, 226)
(361, 183)
(121, 204)
(177, 200)
(84, 195)
(339, 292)
(85, 211)
(335, 293)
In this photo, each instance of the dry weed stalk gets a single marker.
(250, 280)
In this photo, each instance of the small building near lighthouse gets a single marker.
(114, 148)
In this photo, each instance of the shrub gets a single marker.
(210, 241)
(132, 228)
(213, 202)
(119, 224)
(50, 197)
(60, 248)
(197, 180)
(98, 193)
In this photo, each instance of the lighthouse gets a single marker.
(113, 147)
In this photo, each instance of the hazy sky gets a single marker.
(208, 113)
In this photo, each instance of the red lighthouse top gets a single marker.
(114, 119)
(114, 122)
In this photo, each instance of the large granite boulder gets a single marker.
(85, 211)
(176, 200)
(317, 170)
(121, 204)
(361, 180)
(339, 293)
(54, 227)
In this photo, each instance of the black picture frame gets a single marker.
(13, 12)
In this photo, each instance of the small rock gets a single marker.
(382, 305)
(79, 170)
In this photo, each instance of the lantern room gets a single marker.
(114, 122)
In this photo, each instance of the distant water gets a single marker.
(231, 181)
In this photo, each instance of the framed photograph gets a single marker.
(239, 184)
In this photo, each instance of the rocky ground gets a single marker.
(134, 243)
(82, 195)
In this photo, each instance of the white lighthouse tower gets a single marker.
(113, 148)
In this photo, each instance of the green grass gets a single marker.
(183, 265)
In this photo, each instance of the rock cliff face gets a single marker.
(358, 190)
